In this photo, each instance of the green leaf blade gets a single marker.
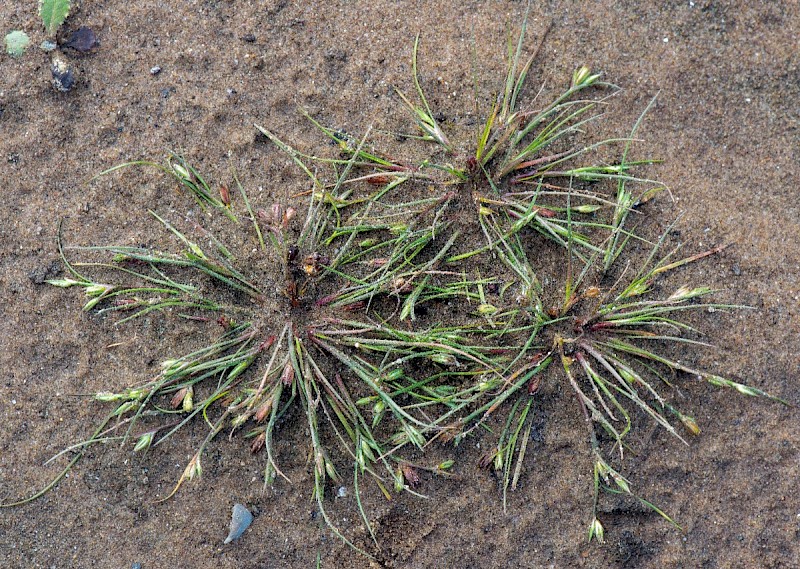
(53, 13)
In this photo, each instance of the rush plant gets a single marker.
(414, 304)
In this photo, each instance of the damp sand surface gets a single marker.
(725, 124)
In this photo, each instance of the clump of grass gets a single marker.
(404, 321)
(528, 171)
(329, 357)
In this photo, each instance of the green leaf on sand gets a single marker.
(53, 13)
(17, 42)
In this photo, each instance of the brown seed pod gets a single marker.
(313, 264)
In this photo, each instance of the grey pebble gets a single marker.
(155, 70)
(241, 518)
(63, 76)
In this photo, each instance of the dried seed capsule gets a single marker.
(313, 264)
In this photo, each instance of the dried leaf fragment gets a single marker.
(83, 40)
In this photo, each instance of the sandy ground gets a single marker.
(727, 75)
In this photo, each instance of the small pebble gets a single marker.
(63, 76)
(241, 519)
(155, 70)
